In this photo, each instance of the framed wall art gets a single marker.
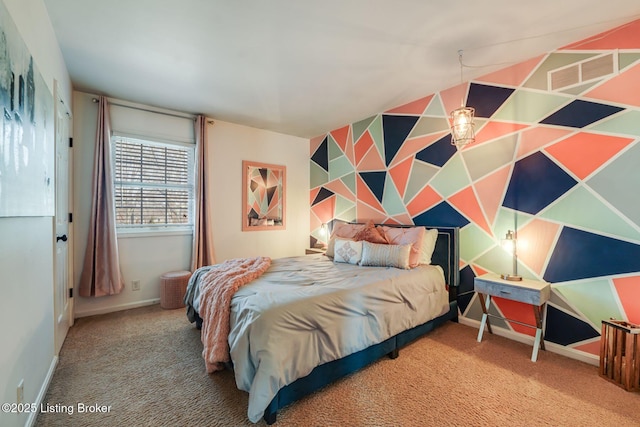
(263, 196)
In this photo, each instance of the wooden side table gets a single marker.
(527, 291)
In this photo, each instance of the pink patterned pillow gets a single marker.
(405, 235)
(347, 251)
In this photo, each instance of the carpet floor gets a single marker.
(144, 368)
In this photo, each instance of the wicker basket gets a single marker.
(173, 286)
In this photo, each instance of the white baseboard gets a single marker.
(114, 308)
(43, 391)
(527, 339)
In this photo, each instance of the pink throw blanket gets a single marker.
(216, 290)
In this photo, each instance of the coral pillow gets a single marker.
(407, 235)
(371, 234)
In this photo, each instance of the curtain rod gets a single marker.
(185, 116)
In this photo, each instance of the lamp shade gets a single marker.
(462, 126)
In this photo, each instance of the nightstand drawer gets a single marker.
(527, 291)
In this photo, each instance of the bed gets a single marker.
(293, 329)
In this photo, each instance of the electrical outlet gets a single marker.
(20, 392)
(135, 285)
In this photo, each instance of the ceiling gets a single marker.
(307, 67)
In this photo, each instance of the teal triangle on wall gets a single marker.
(596, 299)
(582, 208)
(391, 200)
(435, 108)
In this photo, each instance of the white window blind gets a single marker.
(153, 184)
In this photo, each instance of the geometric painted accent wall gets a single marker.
(559, 166)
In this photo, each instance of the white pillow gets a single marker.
(379, 255)
(347, 251)
(428, 245)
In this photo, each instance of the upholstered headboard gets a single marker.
(447, 255)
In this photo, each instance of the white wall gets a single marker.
(146, 258)
(26, 248)
(231, 144)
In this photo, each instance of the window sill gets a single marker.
(127, 234)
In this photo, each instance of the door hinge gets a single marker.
(70, 142)
(70, 292)
(70, 217)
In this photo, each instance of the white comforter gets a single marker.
(306, 311)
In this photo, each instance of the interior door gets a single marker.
(63, 302)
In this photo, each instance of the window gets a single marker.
(154, 184)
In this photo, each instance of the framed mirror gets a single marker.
(263, 196)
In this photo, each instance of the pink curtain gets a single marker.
(101, 270)
(202, 251)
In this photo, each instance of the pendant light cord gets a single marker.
(461, 80)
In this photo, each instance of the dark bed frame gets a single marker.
(446, 254)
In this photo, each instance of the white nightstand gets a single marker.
(531, 292)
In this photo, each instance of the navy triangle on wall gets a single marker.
(536, 181)
(487, 99)
(466, 280)
(579, 114)
(564, 329)
(395, 130)
(375, 182)
(579, 255)
(442, 214)
(322, 195)
(321, 155)
(439, 152)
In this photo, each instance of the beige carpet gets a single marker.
(146, 364)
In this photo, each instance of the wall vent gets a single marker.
(583, 72)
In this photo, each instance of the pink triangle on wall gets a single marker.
(413, 108)
(534, 243)
(585, 152)
(515, 75)
(623, 88)
(413, 145)
(365, 212)
(490, 191)
(625, 36)
(494, 130)
(362, 146)
(341, 135)
(400, 175)
(425, 199)
(314, 143)
(339, 187)
(467, 203)
(533, 139)
(628, 289)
